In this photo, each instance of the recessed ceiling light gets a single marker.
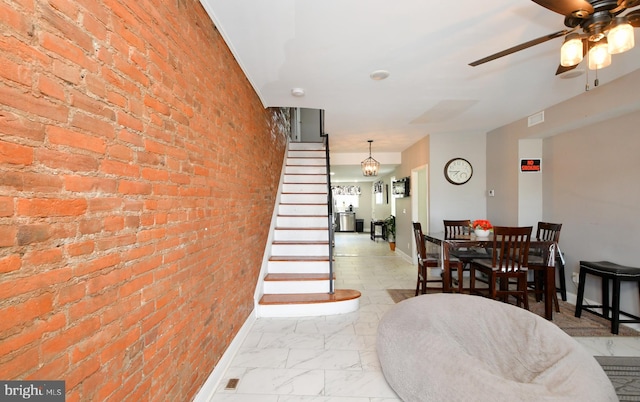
(297, 92)
(379, 75)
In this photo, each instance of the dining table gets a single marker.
(446, 245)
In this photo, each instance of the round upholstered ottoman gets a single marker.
(454, 347)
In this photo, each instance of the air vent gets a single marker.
(232, 384)
(536, 119)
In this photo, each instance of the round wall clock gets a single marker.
(458, 171)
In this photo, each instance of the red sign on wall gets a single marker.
(530, 165)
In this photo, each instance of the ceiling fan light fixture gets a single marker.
(370, 166)
(571, 51)
(599, 56)
(620, 36)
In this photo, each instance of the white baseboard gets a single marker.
(211, 385)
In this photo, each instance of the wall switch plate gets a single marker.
(492, 193)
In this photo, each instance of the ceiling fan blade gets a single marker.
(521, 46)
(631, 3)
(562, 69)
(577, 8)
(634, 18)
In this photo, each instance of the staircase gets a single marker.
(297, 282)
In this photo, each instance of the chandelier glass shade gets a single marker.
(370, 166)
(620, 36)
(571, 51)
(599, 56)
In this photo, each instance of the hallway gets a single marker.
(333, 358)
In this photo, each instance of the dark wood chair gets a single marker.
(426, 261)
(537, 263)
(455, 228)
(509, 260)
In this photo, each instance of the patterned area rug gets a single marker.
(587, 325)
(624, 373)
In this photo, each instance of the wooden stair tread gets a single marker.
(310, 298)
(297, 277)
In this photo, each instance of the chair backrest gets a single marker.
(511, 247)
(548, 231)
(421, 248)
(455, 228)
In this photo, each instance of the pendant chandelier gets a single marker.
(370, 166)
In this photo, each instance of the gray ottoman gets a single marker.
(454, 347)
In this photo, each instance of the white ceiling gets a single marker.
(330, 47)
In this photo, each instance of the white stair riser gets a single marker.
(304, 188)
(304, 198)
(302, 235)
(305, 222)
(308, 310)
(307, 162)
(307, 154)
(289, 287)
(305, 178)
(321, 170)
(300, 250)
(310, 146)
(303, 209)
(298, 267)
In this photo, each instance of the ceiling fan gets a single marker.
(601, 24)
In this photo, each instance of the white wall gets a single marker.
(448, 201)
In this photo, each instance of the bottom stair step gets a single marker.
(309, 298)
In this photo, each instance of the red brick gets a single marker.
(15, 154)
(22, 313)
(96, 265)
(52, 369)
(46, 280)
(71, 293)
(120, 152)
(69, 31)
(113, 223)
(66, 160)
(12, 124)
(89, 305)
(6, 206)
(38, 258)
(91, 105)
(119, 168)
(67, 50)
(32, 105)
(50, 87)
(77, 249)
(22, 361)
(103, 129)
(8, 235)
(105, 204)
(20, 74)
(51, 207)
(130, 121)
(71, 73)
(15, 19)
(90, 184)
(10, 263)
(132, 187)
(33, 334)
(29, 234)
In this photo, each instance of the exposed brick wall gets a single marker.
(138, 172)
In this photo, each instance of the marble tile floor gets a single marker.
(333, 358)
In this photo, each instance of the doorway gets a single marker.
(420, 201)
